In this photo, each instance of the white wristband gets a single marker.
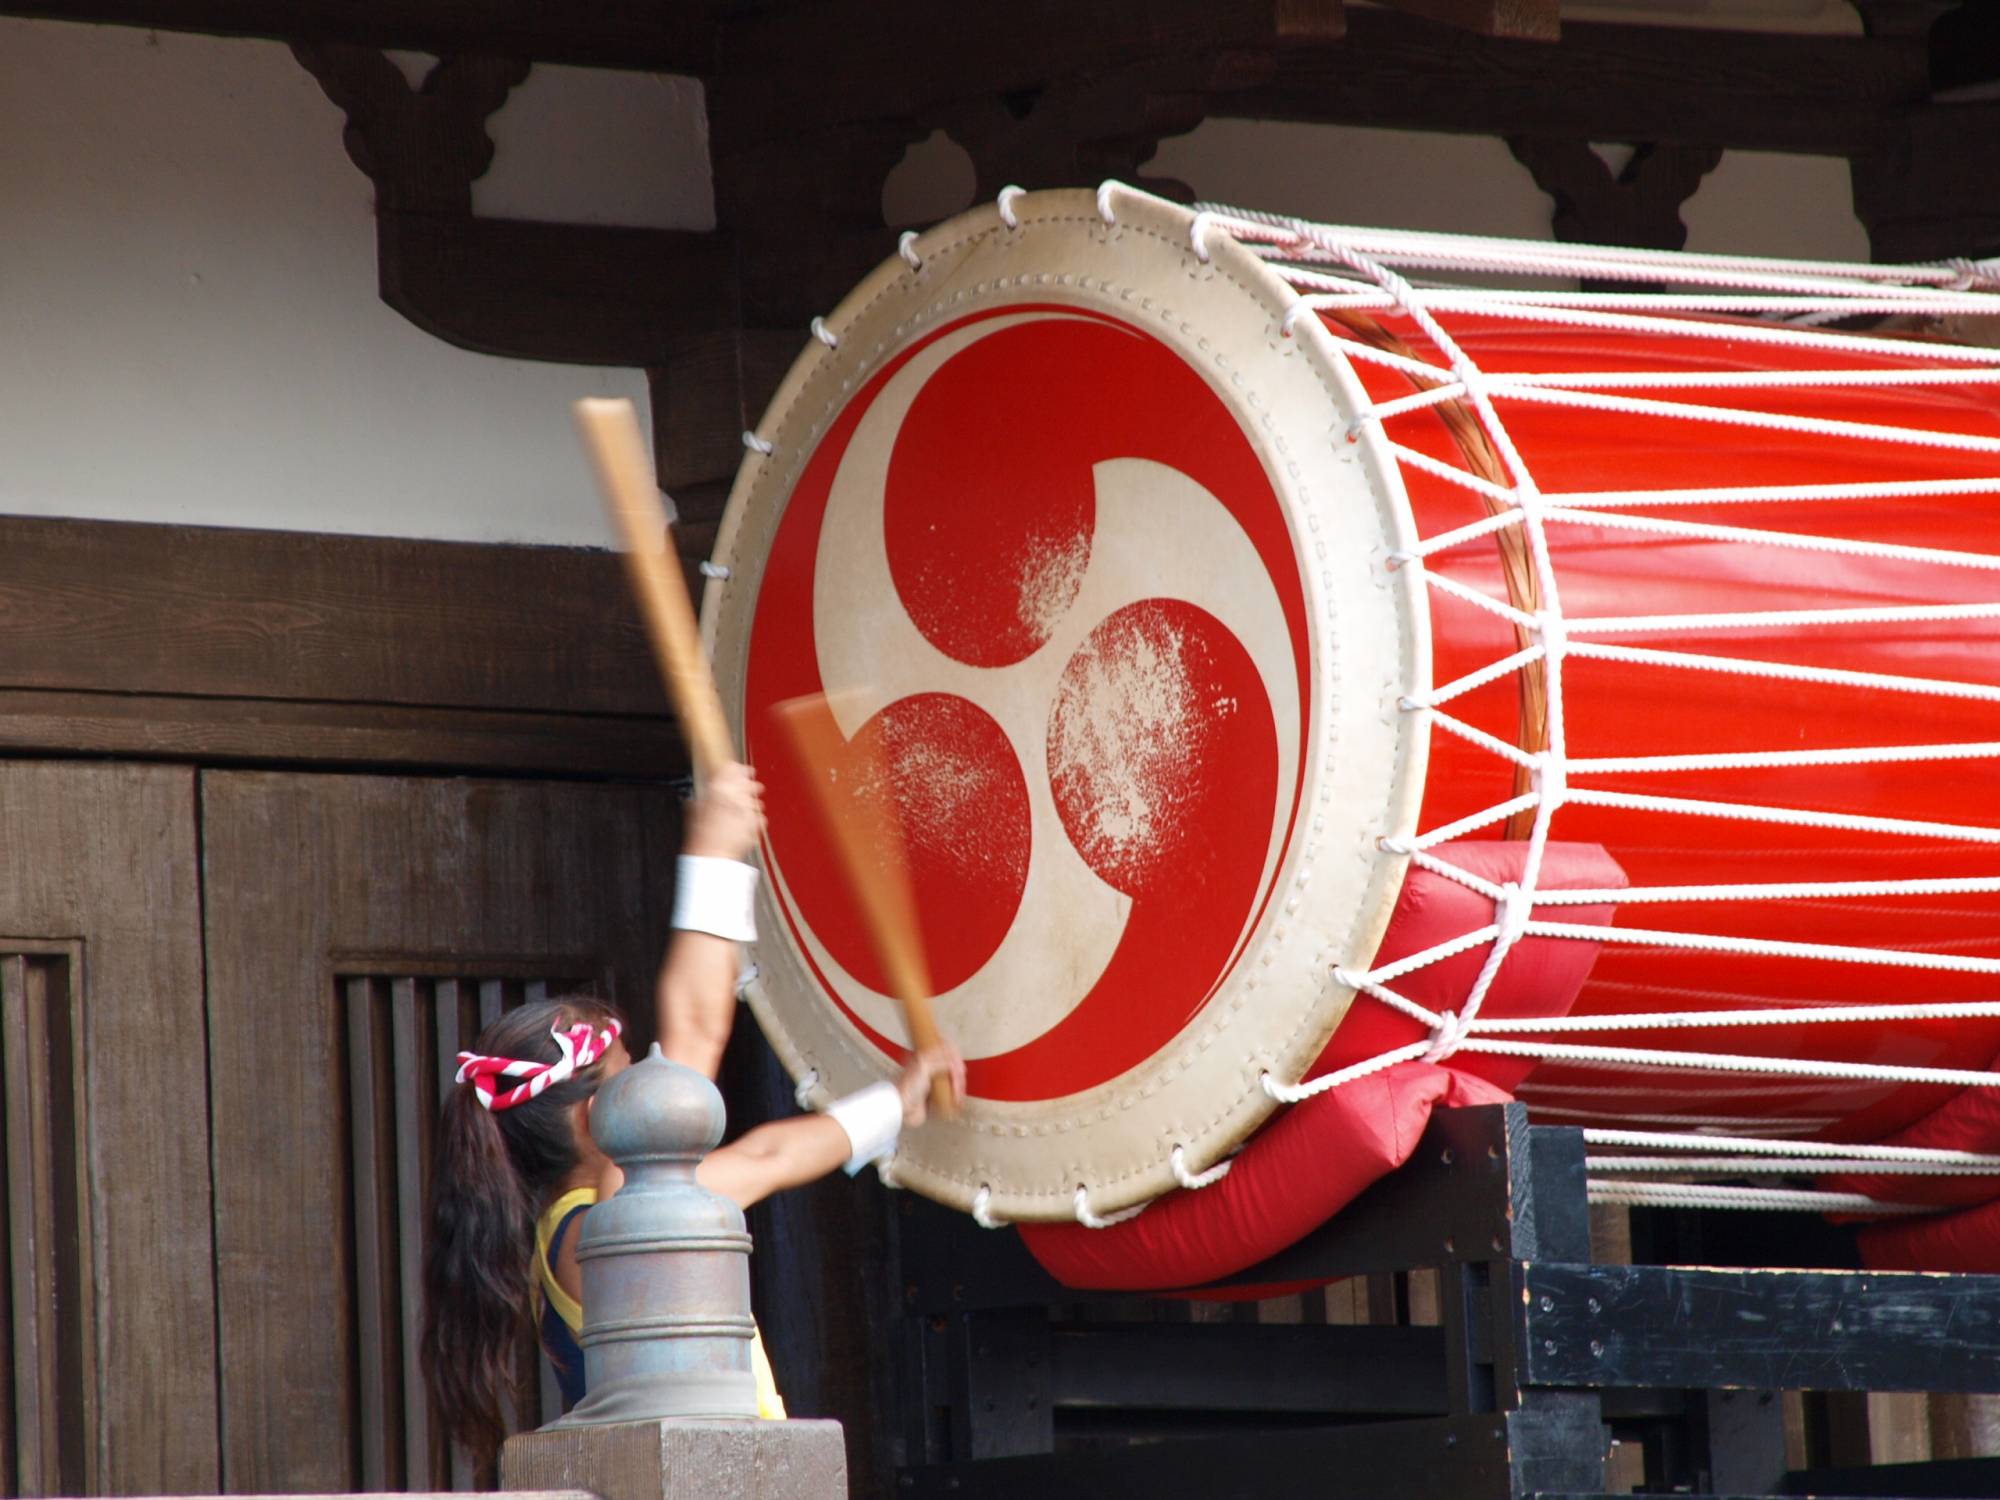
(716, 896)
(872, 1118)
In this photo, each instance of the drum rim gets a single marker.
(731, 591)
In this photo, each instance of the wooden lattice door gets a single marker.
(359, 930)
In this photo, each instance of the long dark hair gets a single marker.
(492, 1173)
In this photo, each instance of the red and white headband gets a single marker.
(581, 1046)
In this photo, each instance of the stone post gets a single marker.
(671, 1405)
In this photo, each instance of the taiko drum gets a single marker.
(1112, 589)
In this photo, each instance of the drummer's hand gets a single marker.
(724, 821)
(915, 1084)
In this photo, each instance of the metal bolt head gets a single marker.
(1548, 1304)
(1597, 1348)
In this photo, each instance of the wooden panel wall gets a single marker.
(208, 644)
(348, 919)
(110, 1369)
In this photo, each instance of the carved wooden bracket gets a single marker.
(1927, 192)
(1079, 131)
(575, 293)
(1640, 206)
(424, 147)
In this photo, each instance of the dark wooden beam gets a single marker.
(114, 608)
(1824, 95)
(573, 293)
(1535, 20)
(265, 732)
(1927, 191)
(666, 36)
(784, 71)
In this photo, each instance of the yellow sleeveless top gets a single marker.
(769, 1403)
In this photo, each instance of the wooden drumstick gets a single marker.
(871, 849)
(610, 432)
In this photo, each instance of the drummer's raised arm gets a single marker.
(714, 891)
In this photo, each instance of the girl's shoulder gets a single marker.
(559, 1209)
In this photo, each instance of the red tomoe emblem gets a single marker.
(1038, 564)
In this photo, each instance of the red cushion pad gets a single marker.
(1312, 1160)
(1541, 975)
(1965, 1241)
(1968, 1121)
(1301, 1169)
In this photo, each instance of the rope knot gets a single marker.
(1445, 1037)
(1516, 907)
(1550, 779)
(1975, 275)
(1554, 633)
(802, 1095)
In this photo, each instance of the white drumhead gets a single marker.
(1068, 525)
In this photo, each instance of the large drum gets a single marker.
(1180, 580)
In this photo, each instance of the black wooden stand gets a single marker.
(1014, 1388)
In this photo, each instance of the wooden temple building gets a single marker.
(326, 727)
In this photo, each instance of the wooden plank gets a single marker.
(72, 1297)
(27, 1216)
(1460, 1456)
(1825, 95)
(224, 730)
(371, 1121)
(456, 1024)
(124, 895)
(212, 612)
(411, 1040)
(308, 876)
(637, 34)
(1670, 1326)
(13, 981)
(492, 1001)
(1204, 1368)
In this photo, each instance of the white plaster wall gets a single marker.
(1344, 174)
(189, 327)
(1753, 203)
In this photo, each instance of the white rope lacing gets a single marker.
(1191, 1180)
(1342, 269)
(1717, 1195)
(1631, 1180)
(1089, 1220)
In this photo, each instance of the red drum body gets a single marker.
(1173, 617)
(1683, 704)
